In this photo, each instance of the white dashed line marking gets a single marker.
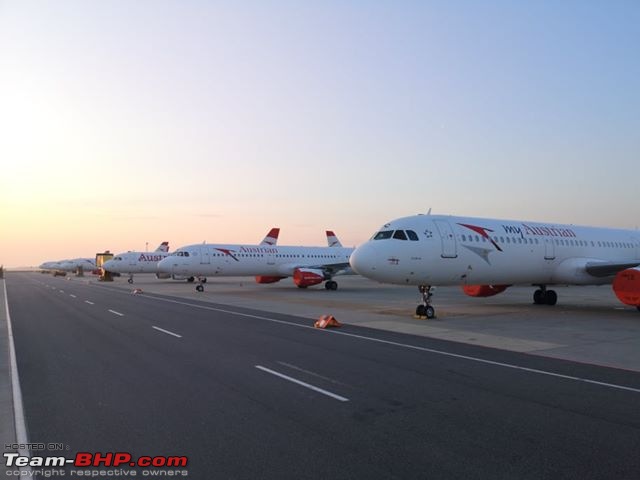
(167, 332)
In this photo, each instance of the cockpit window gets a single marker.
(383, 235)
(400, 235)
(413, 236)
(182, 254)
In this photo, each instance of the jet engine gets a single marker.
(626, 286)
(268, 279)
(484, 290)
(306, 277)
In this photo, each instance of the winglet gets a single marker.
(272, 237)
(163, 247)
(332, 240)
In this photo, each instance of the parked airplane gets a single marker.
(137, 262)
(307, 265)
(145, 262)
(73, 265)
(86, 264)
(486, 256)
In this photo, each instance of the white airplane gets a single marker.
(137, 262)
(87, 265)
(486, 256)
(51, 266)
(268, 263)
(145, 262)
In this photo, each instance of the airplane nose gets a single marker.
(363, 259)
(164, 265)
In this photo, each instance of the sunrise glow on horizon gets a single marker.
(127, 123)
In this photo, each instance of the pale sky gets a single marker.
(126, 122)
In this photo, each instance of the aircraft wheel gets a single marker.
(551, 298)
(421, 311)
(430, 312)
(302, 286)
(331, 285)
(538, 297)
(638, 307)
(200, 288)
(190, 279)
(204, 280)
(130, 280)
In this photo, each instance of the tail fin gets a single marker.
(163, 247)
(332, 240)
(271, 238)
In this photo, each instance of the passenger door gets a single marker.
(447, 238)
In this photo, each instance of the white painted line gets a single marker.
(18, 409)
(117, 313)
(72, 295)
(90, 303)
(303, 384)
(403, 345)
(167, 332)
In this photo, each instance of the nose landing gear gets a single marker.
(130, 279)
(200, 286)
(425, 309)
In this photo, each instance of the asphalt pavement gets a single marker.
(252, 394)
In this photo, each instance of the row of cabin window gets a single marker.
(186, 254)
(277, 256)
(567, 243)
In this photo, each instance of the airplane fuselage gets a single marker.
(135, 262)
(449, 250)
(249, 260)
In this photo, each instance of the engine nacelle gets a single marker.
(268, 279)
(484, 290)
(306, 277)
(163, 276)
(626, 286)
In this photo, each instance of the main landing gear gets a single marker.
(425, 309)
(331, 285)
(200, 287)
(542, 296)
(130, 279)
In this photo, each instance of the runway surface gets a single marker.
(251, 394)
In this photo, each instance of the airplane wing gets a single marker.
(607, 269)
(328, 269)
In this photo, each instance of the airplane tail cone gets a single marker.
(327, 321)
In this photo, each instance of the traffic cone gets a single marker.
(327, 321)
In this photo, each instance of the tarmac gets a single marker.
(588, 324)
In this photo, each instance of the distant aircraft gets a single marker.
(137, 262)
(268, 263)
(145, 262)
(86, 264)
(73, 265)
(486, 256)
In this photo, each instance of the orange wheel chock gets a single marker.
(327, 321)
